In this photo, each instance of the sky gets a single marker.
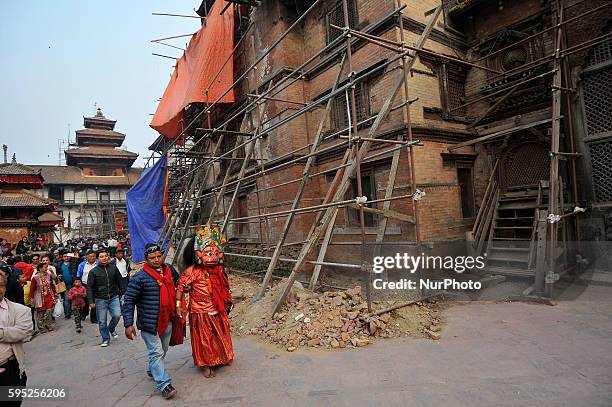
(62, 58)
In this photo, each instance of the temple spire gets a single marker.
(99, 114)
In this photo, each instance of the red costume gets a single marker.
(209, 297)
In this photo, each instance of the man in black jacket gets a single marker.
(103, 290)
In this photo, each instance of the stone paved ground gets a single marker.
(504, 354)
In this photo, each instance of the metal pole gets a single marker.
(314, 208)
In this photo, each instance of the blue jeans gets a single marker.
(114, 307)
(157, 346)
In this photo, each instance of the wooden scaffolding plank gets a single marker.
(321, 257)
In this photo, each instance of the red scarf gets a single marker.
(221, 296)
(167, 294)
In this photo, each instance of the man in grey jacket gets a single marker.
(15, 329)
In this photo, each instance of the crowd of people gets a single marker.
(93, 279)
(41, 275)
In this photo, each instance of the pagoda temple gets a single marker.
(96, 148)
(91, 187)
(22, 211)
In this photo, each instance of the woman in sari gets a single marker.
(42, 297)
(209, 302)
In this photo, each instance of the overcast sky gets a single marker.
(59, 58)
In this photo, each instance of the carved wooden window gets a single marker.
(597, 88)
(601, 166)
(339, 114)
(103, 172)
(596, 91)
(452, 89)
(336, 17)
(242, 211)
(56, 193)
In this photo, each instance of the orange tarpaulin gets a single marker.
(200, 68)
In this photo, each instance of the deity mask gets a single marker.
(209, 256)
(208, 246)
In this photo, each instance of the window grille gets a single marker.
(362, 107)
(336, 17)
(456, 97)
(601, 164)
(602, 52)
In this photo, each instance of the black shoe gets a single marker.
(168, 392)
(78, 330)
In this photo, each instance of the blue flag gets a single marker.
(146, 207)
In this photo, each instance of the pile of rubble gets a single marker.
(333, 319)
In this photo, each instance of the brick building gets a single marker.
(482, 103)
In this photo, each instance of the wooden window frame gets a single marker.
(352, 214)
(339, 114)
(471, 198)
(242, 229)
(106, 193)
(447, 73)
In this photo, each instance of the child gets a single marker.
(26, 297)
(78, 296)
(42, 296)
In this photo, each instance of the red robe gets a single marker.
(211, 340)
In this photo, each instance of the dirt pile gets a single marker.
(332, 319)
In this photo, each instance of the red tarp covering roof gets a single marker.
(200, 68)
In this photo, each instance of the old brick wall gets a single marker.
(440, 213)
(13, 233)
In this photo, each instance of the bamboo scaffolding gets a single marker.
(367, 159)
(300, 191)
(313, 104)
(356, 148)
(247, 71)
(253, 103)
(344, 183)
